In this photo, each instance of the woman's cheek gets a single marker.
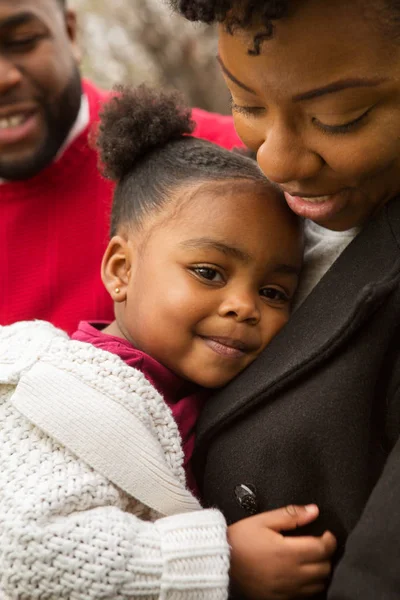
(358, 161)
(249, 132)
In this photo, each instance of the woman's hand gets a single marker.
(268, 566)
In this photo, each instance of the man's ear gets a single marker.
(115, 268)
(71, 25)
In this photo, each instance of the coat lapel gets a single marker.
(338, 305)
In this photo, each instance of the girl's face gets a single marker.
(321, 106)
(208, 282)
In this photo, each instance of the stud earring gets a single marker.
(117, 290)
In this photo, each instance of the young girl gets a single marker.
(202, 265)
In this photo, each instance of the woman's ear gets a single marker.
(115, 268)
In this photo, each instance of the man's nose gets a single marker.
(241, 305)
(284, 156)
(10, 75)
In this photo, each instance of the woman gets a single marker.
(316, 93)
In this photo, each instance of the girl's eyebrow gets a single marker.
(210, 243)
(242, 255)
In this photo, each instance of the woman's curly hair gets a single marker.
(243, 13)
(221, 11)
(145, 146)
(234, 13)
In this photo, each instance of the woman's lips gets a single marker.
(317, 207)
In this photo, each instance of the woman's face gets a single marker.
(321, 106)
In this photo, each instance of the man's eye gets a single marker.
(208, 273)
(23, 43)
(274, 294)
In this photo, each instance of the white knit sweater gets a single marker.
(93, 502)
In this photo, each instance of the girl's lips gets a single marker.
(318, 207)
(225, 347)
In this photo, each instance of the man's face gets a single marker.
(40, 85)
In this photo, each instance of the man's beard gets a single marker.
(59, 117)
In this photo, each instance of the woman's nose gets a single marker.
(284, 157)
(241, 306)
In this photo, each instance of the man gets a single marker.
(54, 204)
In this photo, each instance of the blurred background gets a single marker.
(131, 41)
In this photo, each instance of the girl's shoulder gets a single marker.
(21, 344)
(95, 405)
(30, 345)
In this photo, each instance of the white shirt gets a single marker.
(322, 248)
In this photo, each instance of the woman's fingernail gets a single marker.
(311, 508)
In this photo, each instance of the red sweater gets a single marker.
(54, 230)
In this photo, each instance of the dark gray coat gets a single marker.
(317, 417)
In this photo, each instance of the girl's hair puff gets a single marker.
(137, 121)
(146, 148)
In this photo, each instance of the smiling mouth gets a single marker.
(14, 120)
(318, 207)
(313, 198)
(228, 347)
(316, 199)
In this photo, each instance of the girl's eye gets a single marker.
(270, 293)
(345, 128)
(208, 273)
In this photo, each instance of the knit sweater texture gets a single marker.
(54, 230)
(184, 398)
(93, 501)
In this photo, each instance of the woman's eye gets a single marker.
(208, 273)
(247, 110)
(274, 294)
(345, 127)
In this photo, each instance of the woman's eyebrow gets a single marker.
(331, 88)
(338, 86)
(233, 78)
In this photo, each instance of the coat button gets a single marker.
(246, 496)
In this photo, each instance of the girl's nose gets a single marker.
(284, 157)
(241, 306)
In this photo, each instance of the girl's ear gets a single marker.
(115, 268)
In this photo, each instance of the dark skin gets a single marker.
(321, 107)
(40, 87)
(221, 268)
